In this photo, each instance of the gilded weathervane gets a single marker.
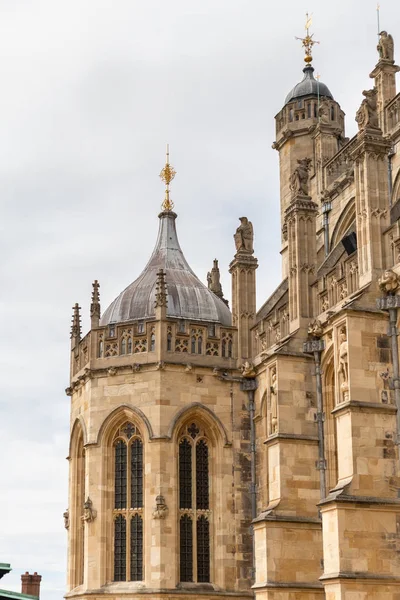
(308, 42)
(167, 175)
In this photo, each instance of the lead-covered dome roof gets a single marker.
(308, 86)
(188, 297)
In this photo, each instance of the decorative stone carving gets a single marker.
(385, 46)
(274, 404)
(343, 370)
(389, 282)
(161, 510)
(248, 370)
(161, 289)
(112, 371)
(325, 304)
(323, 111)
(298, 181)
(244, 236)
(188, 368)
(160, 365)
(136, 367)
(213, 280)
(367, 114)
(89, 514)
(315, 329)
(66, 518)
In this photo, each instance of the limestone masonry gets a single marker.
(236, 453)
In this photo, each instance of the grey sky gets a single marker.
(91, 90)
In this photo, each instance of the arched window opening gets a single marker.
(199, 344)
(315, 110)
(194, 506)
(193, 345)
(332, 113)
(224, 350)
(123, 346)
(78, 525)
(230, 348)
(309, 110)
(129, 346)
(169, 342)
(291, 115)
(128, 504)
(101, 349)
(152, 342)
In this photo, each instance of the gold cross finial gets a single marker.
(308, 42)
(167, 174)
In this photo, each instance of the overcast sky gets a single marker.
(90, 92)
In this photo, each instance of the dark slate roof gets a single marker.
(188, 297)
(308, 86)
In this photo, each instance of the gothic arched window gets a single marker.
(100, 349)
(123, 346)
(169, 342)
(152, 342)
(129, 348)
(128, 504)
(194, 505)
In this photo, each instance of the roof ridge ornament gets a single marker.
(167, 174)
(307, 41)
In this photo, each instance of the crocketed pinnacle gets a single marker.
(76, 330)
(95, 305)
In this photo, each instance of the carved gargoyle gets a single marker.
(248, 370)
(367, 114)
(315, 329)
(389, 282)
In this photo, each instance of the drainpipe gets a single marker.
(315, 347)
(390, 176)
(250, 385)
(326, 208)
(391, 303)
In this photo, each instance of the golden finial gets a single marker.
(308, 42)
(167, 175)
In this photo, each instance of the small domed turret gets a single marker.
(308, 86)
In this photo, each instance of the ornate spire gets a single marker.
(95, 305)
(308, 42)
(167, 174)
(76, 330)
(161, 289)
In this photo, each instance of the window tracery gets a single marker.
(181, 345)
(128, 504)
(196, 341)
(227, 345)
(194, 505)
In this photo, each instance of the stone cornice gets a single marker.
(362, 406)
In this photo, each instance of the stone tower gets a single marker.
(159, 495)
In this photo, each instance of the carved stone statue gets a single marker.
(315, 329)
(298, 180)
(385, 46)
(323, 111)
(66, 519)
(343, 369)
(389, 282)
(214, 280)
(89, 514)
(244, 236)
(161, 510)
(274, 405)
(248, 370)
(367, 114)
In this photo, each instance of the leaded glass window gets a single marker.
(136, 548)
(194, 505)
(186, 548)
(203, 549)
(120, 548)
(128, 504)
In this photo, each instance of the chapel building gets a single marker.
(239, 453)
